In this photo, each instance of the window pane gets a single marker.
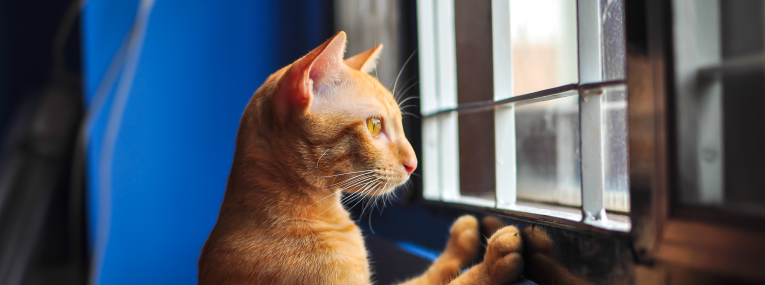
(744, 142)
(476, 134)
(472, 21)
(615, 150)
(547, 153)
(614, 48)
(544, 44)
(743, 107)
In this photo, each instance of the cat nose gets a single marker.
(410, 164)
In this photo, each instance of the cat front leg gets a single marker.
(461, 249)
(502, 263)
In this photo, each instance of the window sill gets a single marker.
(552, 215)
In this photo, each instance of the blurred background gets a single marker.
(117, 122)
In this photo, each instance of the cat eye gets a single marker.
(374, 125)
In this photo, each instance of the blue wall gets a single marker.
(163, 117)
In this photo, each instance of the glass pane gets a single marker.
(614, 48)
(547, 151)
(743, 106)
(615, 150)
(477, 168)
(544, 44)
(472, 23)
(743, 127)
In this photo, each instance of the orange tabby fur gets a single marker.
(302, 139)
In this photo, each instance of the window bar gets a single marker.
(429, 99)
(449, 160)
(740, 65)
(504, 115)
(506, 173)
(426, 31)
(542, 95)
(446, 48)
(590, 115)
(502, 49)
(446, 80)
(431, 170)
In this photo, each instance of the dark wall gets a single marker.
(27, 30)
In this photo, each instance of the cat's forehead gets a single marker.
(361, 96)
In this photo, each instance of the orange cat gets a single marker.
(317, 127)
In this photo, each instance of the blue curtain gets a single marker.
(166, 83)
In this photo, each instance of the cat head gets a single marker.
(342, 127)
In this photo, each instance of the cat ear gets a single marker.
(365, 61)
(306, 75)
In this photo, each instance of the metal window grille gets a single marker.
(580, 125)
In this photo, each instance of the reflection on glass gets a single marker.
(615, 150)
(544, 44)
(547, 151)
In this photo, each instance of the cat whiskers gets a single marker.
(345, 199)
(340, 190)
(379, 197)
(322, 155)
(377, 184)
(402, 70)
(373, 205)
(392, 194)
(373, 198)
(363, 180)
(365, 176)
(404, 113)
(344, 183)
(362, 192)
(360, 171)
(407, 99)
(398, 94)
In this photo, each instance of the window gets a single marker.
(719, 52)
(512, 139)
(524, 107)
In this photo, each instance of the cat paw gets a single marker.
(490, 225)
(464, 242)
(503, 258)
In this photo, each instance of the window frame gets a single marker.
(665, 240)
(437, 54)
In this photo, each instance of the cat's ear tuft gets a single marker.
(306, 75)
(365, 61)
